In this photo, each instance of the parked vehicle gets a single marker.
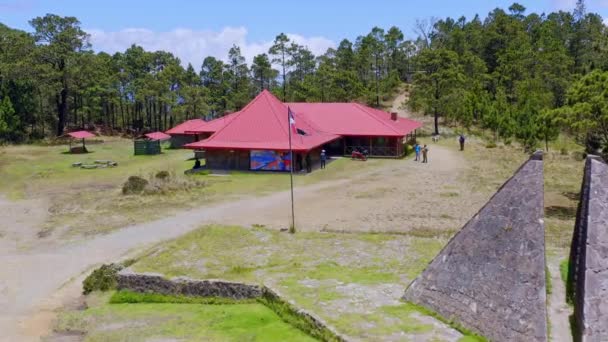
(359, 155)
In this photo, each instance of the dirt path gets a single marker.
(398, 105)
(30, 280)
(559, 312)
(20, 222)
(397, 195)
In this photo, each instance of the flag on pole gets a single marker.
(292, 121)
(292, 128)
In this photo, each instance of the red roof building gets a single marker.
(157, 136)
(186, 132)
(257, 137)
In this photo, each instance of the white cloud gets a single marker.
(570, 4)
(193, 46)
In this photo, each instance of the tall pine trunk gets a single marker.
(62, 100)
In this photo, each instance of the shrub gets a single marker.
(134, 185)
(563, 151)
(163, 175)
(101, 279)
(491, 145)
(579, 156)
(508, 142)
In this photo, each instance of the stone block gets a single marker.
(589, 255)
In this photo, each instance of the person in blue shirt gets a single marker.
(417, 150)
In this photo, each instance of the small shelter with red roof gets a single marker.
(80, 135)
(257, 137)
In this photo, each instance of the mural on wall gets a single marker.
(270, 160)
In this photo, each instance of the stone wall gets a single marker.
(589, 255)
(490, 278)
(155, 283)
(325, 331)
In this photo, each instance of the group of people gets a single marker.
(421, 149)
(308, 160)
(425, 150)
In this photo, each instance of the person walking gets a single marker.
(425, 151)
(461, 140)
(323, 159)
(417, 150)
(308, 164)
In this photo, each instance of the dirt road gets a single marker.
(397, 195)
(36, 282)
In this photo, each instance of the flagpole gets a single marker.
(292, 229)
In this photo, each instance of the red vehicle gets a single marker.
(358, 155)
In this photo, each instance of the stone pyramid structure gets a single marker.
(490, 277)
(589, 255)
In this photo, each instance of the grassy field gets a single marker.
(88, 202)
(563, 171)
(353, 281)
(184, 322)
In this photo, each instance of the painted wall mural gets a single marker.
(269, 160)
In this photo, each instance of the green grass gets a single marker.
(187, 322)
(548, 284)
(123, 297)
(564, 268)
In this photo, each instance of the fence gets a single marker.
(376, 151)
(146, 147)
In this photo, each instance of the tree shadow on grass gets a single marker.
(571, 195)
(560, 212)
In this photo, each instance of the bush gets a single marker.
(101, 279)
(563, 151)
(491, 145)
(579, 156)
(162, 175)
(134, 185)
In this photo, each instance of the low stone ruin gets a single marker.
(156, 283)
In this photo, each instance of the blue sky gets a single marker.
(193, 29)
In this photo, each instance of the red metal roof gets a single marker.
(404, 125)
(353, 119)
(263, 125)
(81, 134)
(212, 126)
(187, 127)
(157, 136)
